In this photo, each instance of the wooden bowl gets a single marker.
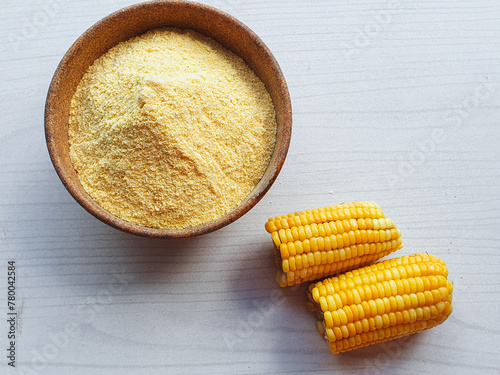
(135, 20)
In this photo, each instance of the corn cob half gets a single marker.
(323, 242)
(383, 301)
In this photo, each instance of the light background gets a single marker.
(393, 101)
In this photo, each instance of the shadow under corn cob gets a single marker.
(322, 242)
(383, 301)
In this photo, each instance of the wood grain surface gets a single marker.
(393, 101)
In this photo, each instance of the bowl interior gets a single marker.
(135, 20)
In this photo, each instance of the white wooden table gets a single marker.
(394, 101)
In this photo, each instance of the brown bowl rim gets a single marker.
(88, 203)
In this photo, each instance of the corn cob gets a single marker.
(383, 301)
(326, 241)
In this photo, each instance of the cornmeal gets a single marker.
(170, 130)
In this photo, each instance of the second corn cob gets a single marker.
(322, 242)
(386, 300)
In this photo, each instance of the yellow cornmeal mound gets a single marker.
(170, 130)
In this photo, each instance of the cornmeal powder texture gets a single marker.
(170, 130)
